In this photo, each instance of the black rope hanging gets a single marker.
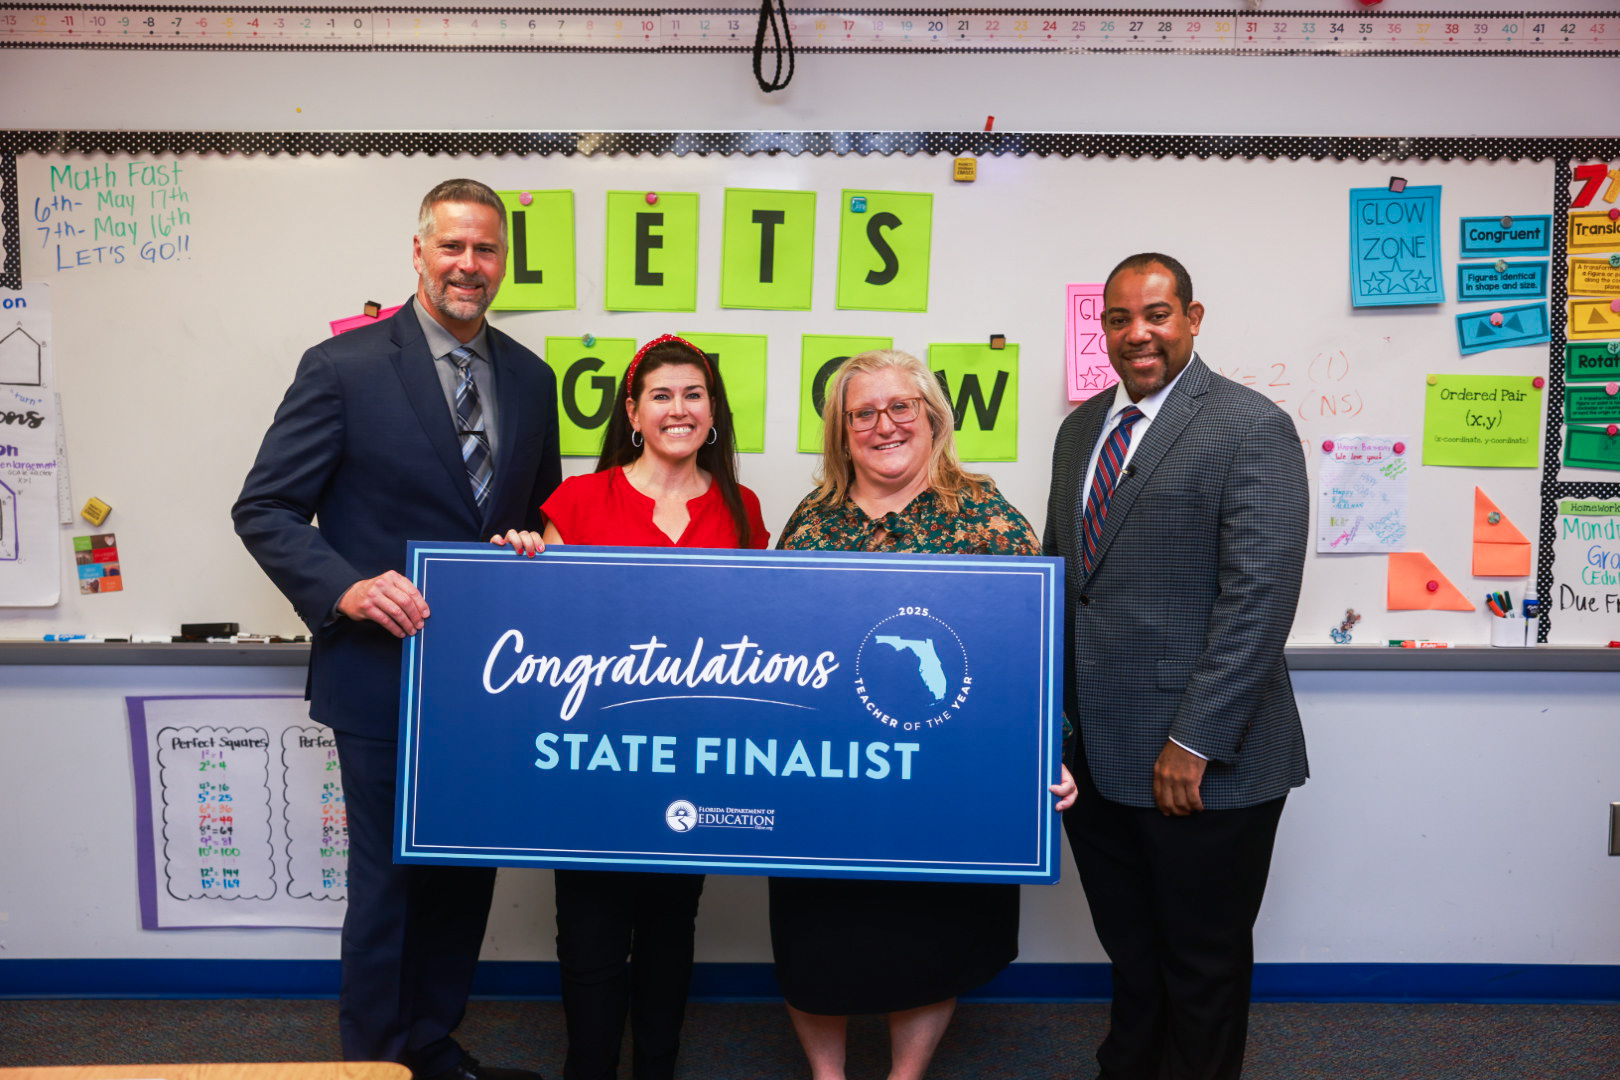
(773, 13)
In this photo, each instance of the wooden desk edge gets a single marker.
(298, 1070)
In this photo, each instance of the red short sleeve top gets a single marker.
(604, 508)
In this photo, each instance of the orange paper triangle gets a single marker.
(1500, 550)
(1503, 532)
(1416, 584)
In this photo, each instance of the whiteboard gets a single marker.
(170, 370)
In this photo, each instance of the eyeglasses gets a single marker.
(904, 411)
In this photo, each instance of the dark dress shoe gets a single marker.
(470, 1069)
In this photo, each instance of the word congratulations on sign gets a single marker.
(733, 712)
(635, 668)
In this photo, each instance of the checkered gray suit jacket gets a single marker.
(1179, 628)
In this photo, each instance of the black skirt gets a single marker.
(844, 947)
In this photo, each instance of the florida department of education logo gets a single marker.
(911, 671)
(680, 816)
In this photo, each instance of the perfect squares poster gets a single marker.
(798, 713)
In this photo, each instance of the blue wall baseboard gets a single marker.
(126, 978)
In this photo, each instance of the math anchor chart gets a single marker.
(692, 30)
(30, 557)
(239, 810)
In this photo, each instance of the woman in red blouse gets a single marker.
(667, 477)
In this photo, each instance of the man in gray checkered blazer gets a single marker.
(1187, 736)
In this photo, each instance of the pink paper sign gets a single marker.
(1089, 370)
(354, 322)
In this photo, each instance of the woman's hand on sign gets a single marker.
(522, 542)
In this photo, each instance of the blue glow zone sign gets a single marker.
(826, 714)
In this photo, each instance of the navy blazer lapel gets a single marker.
(1172, 419)
(512, 411)
(413, 363)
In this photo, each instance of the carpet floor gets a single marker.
(726, 1041)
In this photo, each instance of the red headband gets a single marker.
(630, 374)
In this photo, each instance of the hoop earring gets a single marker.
(635, 439)
(714, 436)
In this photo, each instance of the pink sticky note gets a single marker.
(355, 322)
(1089, 370)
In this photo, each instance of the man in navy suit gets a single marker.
(1179, 595)
(384, 437)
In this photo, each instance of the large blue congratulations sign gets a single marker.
(828, 714)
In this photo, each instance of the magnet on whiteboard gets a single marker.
(525, 198)
(1433, 586)
(1614, 260)
(1507, 221)
(1494, 517)
(1400, 448)
(1613, 429)
(998, 341)
(1611, 389)
(95, 511)
(1501, 266)
(1327, 446)
(1538, 382)
(1614, 213)
(652, 198)
(1397, 184)
(1496, 318)
(372, 309)
(966, 170)
(588, 340)
(857, 204)
(1434, 380)
(1614, 305)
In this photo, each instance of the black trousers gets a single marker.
(624, 946)
(411, 935)
(1174, 901)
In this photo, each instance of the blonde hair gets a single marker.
(946, 477)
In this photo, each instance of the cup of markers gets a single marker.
(1509, 628)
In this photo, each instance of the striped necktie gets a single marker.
(470, 427)
(1104, 479)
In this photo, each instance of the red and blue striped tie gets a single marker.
(1104, 479)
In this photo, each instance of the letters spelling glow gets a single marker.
(582, 671)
